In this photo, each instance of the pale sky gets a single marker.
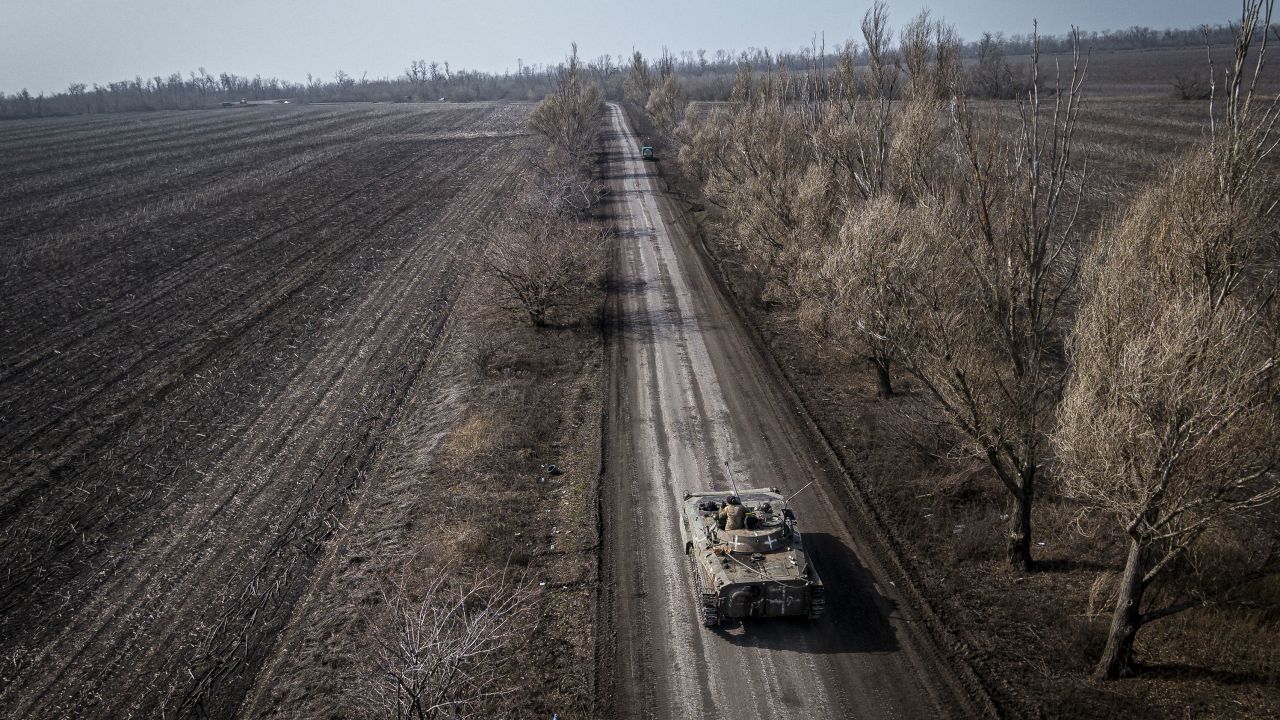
(47, 44)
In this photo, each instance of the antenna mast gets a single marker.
(786, 501)
(732, 482)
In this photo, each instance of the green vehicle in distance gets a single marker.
(646, 153)
(758, 571)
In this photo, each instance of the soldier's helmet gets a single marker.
(733, 500)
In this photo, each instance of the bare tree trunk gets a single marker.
(538, 316)
(881, 364)
(1019, 549)
(1117, 657)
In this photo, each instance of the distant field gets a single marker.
(207, 321)
(1149, 72)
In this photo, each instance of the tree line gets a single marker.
(548, 255)
(702, 75)
(1131, 367)
(421, 81)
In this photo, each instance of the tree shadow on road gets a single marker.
(655, 325)
(625, 176)
(856, 619)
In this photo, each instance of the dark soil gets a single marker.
(218, 335)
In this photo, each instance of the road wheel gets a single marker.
(817, 602)
(710, 616)
(709, 604)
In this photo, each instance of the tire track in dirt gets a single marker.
(109, 238)
(427, 274)
(194, 155)
(186, 153)
(147, 311)
(686, 426)
(43, 127)
(112, 140)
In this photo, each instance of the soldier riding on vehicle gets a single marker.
(732, 516)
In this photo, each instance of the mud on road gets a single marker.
(690, 392)
(208, 321)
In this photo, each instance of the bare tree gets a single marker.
(986, 335)
(992, 77)
(561, 190)
(796, 159)
(440, 650)
(542, 263)
(638, 80)
(667, 103)
(1171, 419)
(929, 51)
(881, 163)
(1170, 426)
(855, 136)
(857, 290)
(754, 160)
(570, 117)
(418, 74)
(1189, 86)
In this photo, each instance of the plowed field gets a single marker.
(208, 321)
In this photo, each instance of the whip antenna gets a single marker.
(732, 482)
(786, 501)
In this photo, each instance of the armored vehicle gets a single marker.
(760, 570)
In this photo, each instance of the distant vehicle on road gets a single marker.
(760, 570)
(646, 153)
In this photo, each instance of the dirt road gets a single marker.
(691, 392)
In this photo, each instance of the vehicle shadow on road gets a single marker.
(856, 619)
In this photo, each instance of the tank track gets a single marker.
(710, 613)
(817, 601)
(709, 609)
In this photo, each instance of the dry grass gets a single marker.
(462, 489)
(473, 439)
